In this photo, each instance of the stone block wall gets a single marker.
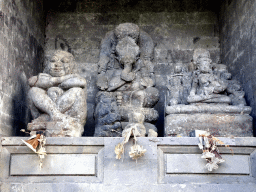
(238, 48)
(176, 28)
(21, 56)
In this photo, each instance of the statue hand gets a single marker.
(147, 82)
(32, 81)
(101, 68)
(149, 65)
(104, 60)
(102, 82)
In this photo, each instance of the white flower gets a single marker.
(210, 166)
(137, 151)
(208, 155)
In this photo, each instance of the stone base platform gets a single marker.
(217, 124)
(89, 164)
(220, 120)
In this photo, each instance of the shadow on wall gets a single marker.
(252, 53)
(20, 108)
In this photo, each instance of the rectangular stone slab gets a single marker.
(223, 125)
(194, 164)
(53, 164)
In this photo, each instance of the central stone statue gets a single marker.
(126, 81)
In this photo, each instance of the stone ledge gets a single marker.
(93, 187)
(152, 172)
(206, 108)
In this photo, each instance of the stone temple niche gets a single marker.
(205, 98)
(126, 82)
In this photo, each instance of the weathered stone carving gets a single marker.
(126, 81)
(206, 98)
(58, 98)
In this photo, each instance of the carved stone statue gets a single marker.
(126, 80)
(58, 98)
(207, 87)
(206, 98)
(179, 85)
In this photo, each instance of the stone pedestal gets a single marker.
(219, 120)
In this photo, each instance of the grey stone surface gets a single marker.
(21, 56)
(194, 164)
(221, 124)
(237, 43)
(150, 173)
(212, 109)
(126, 170)
(80, 187)
(53, 164)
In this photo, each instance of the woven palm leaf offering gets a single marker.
(134, 129)
(210, 150)
(37, 144)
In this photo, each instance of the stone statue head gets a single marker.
(127, 30)
(200, 53)
(204, 65)
(178, 68)
(61, 63)
(127, 50)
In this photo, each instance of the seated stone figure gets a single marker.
(207, 87)
(215, 103)
(126, 73)
(107, 117)
(58, 98)
(179, 85)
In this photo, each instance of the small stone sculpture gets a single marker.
(207, 87)
(206, 98)
(126, 77)
(179, 85)
(58, 98)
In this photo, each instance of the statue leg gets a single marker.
(73, 104)
(43, 102)
(145, 98)
(54, 93)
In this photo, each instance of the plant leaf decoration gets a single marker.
(32, 142)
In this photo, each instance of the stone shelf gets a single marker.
(76, 164)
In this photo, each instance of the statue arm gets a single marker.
(146, 46)
(147, 49)
(194, 86)
(73, 82)
(44, 80)
(106, 50)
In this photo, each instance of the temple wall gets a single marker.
(21, 56)
(176, 30)
(237, 39)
